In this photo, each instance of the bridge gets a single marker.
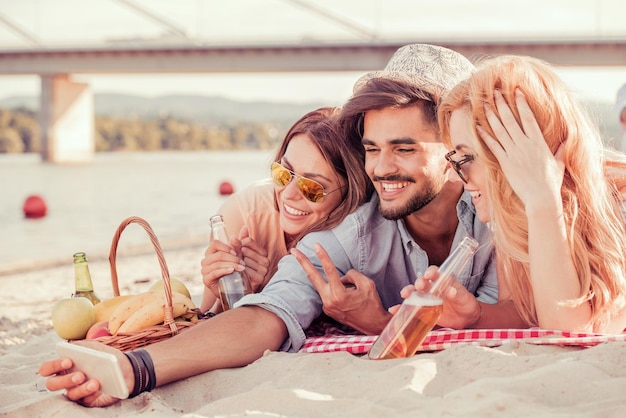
(67, 109)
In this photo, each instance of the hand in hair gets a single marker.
(534, 173)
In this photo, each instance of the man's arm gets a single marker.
(216, 343)
(233, 338)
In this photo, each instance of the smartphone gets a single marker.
(98, 365)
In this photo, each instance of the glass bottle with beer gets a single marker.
(419, 313)
(235, 285)
(82, 279)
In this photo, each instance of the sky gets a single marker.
(27, 24)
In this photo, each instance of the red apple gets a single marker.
(99, 329)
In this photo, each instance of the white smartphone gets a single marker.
(98, 365)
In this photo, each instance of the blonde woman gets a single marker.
(538, 172)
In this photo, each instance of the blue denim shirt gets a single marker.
(382, 250)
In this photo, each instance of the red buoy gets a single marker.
(34, 207)
(226, 188)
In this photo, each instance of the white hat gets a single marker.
(434, 69)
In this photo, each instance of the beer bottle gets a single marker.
(235, 285)
(82, 279)
(420, 312)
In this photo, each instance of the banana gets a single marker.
(125, 309)
(105, 309)
(154, 313)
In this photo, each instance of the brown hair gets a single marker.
(381, 93)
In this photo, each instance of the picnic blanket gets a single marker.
(335, 339)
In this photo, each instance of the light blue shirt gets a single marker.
(382, 250)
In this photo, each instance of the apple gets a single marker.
(72, 317)
(99, 329)
(177, 286)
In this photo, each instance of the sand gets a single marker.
(515, 379)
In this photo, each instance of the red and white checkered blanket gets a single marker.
(444, 337)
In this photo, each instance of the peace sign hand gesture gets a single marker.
(352, 299)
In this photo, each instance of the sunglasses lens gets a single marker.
(280, 174)
(311, 190)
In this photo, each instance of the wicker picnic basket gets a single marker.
(169, 328)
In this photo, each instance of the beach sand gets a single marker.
(515, 379)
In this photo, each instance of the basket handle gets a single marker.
(165, 274)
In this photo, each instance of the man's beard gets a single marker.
(415, 203)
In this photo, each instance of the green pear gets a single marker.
(72, 317)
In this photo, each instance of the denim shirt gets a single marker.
(382, 250)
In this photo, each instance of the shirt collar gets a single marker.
(466, 213)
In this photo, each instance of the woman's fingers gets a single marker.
(497, 127)
(527, 117)
(493, 144)
(507, 119)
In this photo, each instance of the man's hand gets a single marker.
(77, 387)
(351, 299)
(461, 309)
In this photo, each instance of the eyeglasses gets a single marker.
(457, 164)
(310, 189)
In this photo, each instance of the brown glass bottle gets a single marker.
(420, 312)
(82, 279)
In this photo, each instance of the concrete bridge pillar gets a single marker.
(66, 118)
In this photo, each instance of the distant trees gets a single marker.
(19, 132)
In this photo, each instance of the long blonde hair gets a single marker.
(593, 186)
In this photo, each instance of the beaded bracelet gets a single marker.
(143, 369)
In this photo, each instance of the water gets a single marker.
(176, 192)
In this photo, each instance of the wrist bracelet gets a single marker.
(143, 369)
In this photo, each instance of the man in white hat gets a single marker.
(620, 107)
(381, 248)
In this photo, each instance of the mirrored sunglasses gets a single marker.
(310, 189)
